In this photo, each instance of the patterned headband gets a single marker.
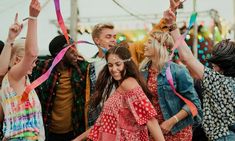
(127, 60)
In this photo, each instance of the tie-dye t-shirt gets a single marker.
(21, 120)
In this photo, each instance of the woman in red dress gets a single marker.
(127, 114)
(173, 114)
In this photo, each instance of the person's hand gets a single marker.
(14, 30)
(34, 8)
(169, 17)
(167, 125)
(174, 4)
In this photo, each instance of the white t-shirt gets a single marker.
(99, 65)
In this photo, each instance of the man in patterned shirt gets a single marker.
(218, 84)
(62, 95)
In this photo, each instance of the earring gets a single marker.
(124, 72)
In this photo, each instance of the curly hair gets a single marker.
(223, 55)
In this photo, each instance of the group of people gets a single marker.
(112, 98)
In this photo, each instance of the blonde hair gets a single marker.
(137, 52)
(163, 43)
(98, 28)
(17, 51)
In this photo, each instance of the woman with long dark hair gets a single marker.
(127, 114)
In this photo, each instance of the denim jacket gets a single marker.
(170, 103)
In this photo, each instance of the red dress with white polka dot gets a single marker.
(124, 117)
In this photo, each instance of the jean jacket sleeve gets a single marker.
(185, 87)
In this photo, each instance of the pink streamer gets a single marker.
(191, 106)
(56, 60)
(45, 76)
(60, 20)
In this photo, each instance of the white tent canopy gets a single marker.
(95, 11)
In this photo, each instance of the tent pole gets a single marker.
(195, 42)
(73, 19)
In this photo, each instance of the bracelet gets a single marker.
(176, 118)
(30, 17)
(173, 27)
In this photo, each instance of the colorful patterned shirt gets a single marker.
(21, 120)
(124, 117)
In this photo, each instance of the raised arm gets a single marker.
(185, 53)
(31, 47)
(5, 56)
(174, 4)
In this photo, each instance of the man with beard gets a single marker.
(66, 93)
(62, 95)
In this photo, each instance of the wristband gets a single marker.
(177, 120)
(173, 27)
(30, 17)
